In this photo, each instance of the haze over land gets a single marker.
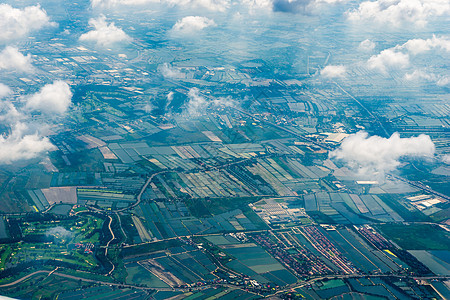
(222, 148)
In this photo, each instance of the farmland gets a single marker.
(224, 149)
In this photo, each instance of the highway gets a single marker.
(286, 289)
(365, 109)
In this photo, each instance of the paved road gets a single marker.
(23, 278)
(287, 288)
(365, 109)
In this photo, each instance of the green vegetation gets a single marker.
(142, 249)
(328, 284)
(441, 215)
(54, 239)
(99, 191)
(421, 171)
(138, 275)
(320, 217)
(220, 205)
(254, 218)
(5, 253)
(197, 208)
(42, 286)
(417, 236)
(408, 212)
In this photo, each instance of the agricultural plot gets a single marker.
(66, 195)
(128, 184)
(377, 287)
(179, 156)
(273, 177)
(138, 275)
(311, 172)
(184, 265)
(438, 261)
(104, 292)
(359, 252)
(73, 179)
(3, 230)
(417, 236)
(161, 220)
(104, 198)
(292, 253)
(403, 208)
(197, 185)
(327, 289)
(220, 293)
(344, 208)
(39, 200)
(232, 182)
(253, 261)
(442, 288)
(42, 286)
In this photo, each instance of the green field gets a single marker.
(54, 239)
(149, 247)
(405, 209)
(333, 283)
(417, 236)
(41, 286)
(138, 275)
(255, 262)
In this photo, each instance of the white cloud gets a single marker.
(11, 58)
(192, 24)
(419, 75)
(4, 90)
(366, 46)
(224, 102)
(210, 5)
(9, 114)
(113, 3)
(444, 81)
(25, 138)
(169, 72)
(300, 6)
(169, 100)
(446, 159)
(399, 12)
(291, 6)
(388, 59)
(334, 71)
(52, 98)
(379, 155)
(330, 1)
(104, 34)
(148, 107)
(258, 4)
(16, 23)
(196, 103)
(399, 57)
(416, 46)
(22, 144)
